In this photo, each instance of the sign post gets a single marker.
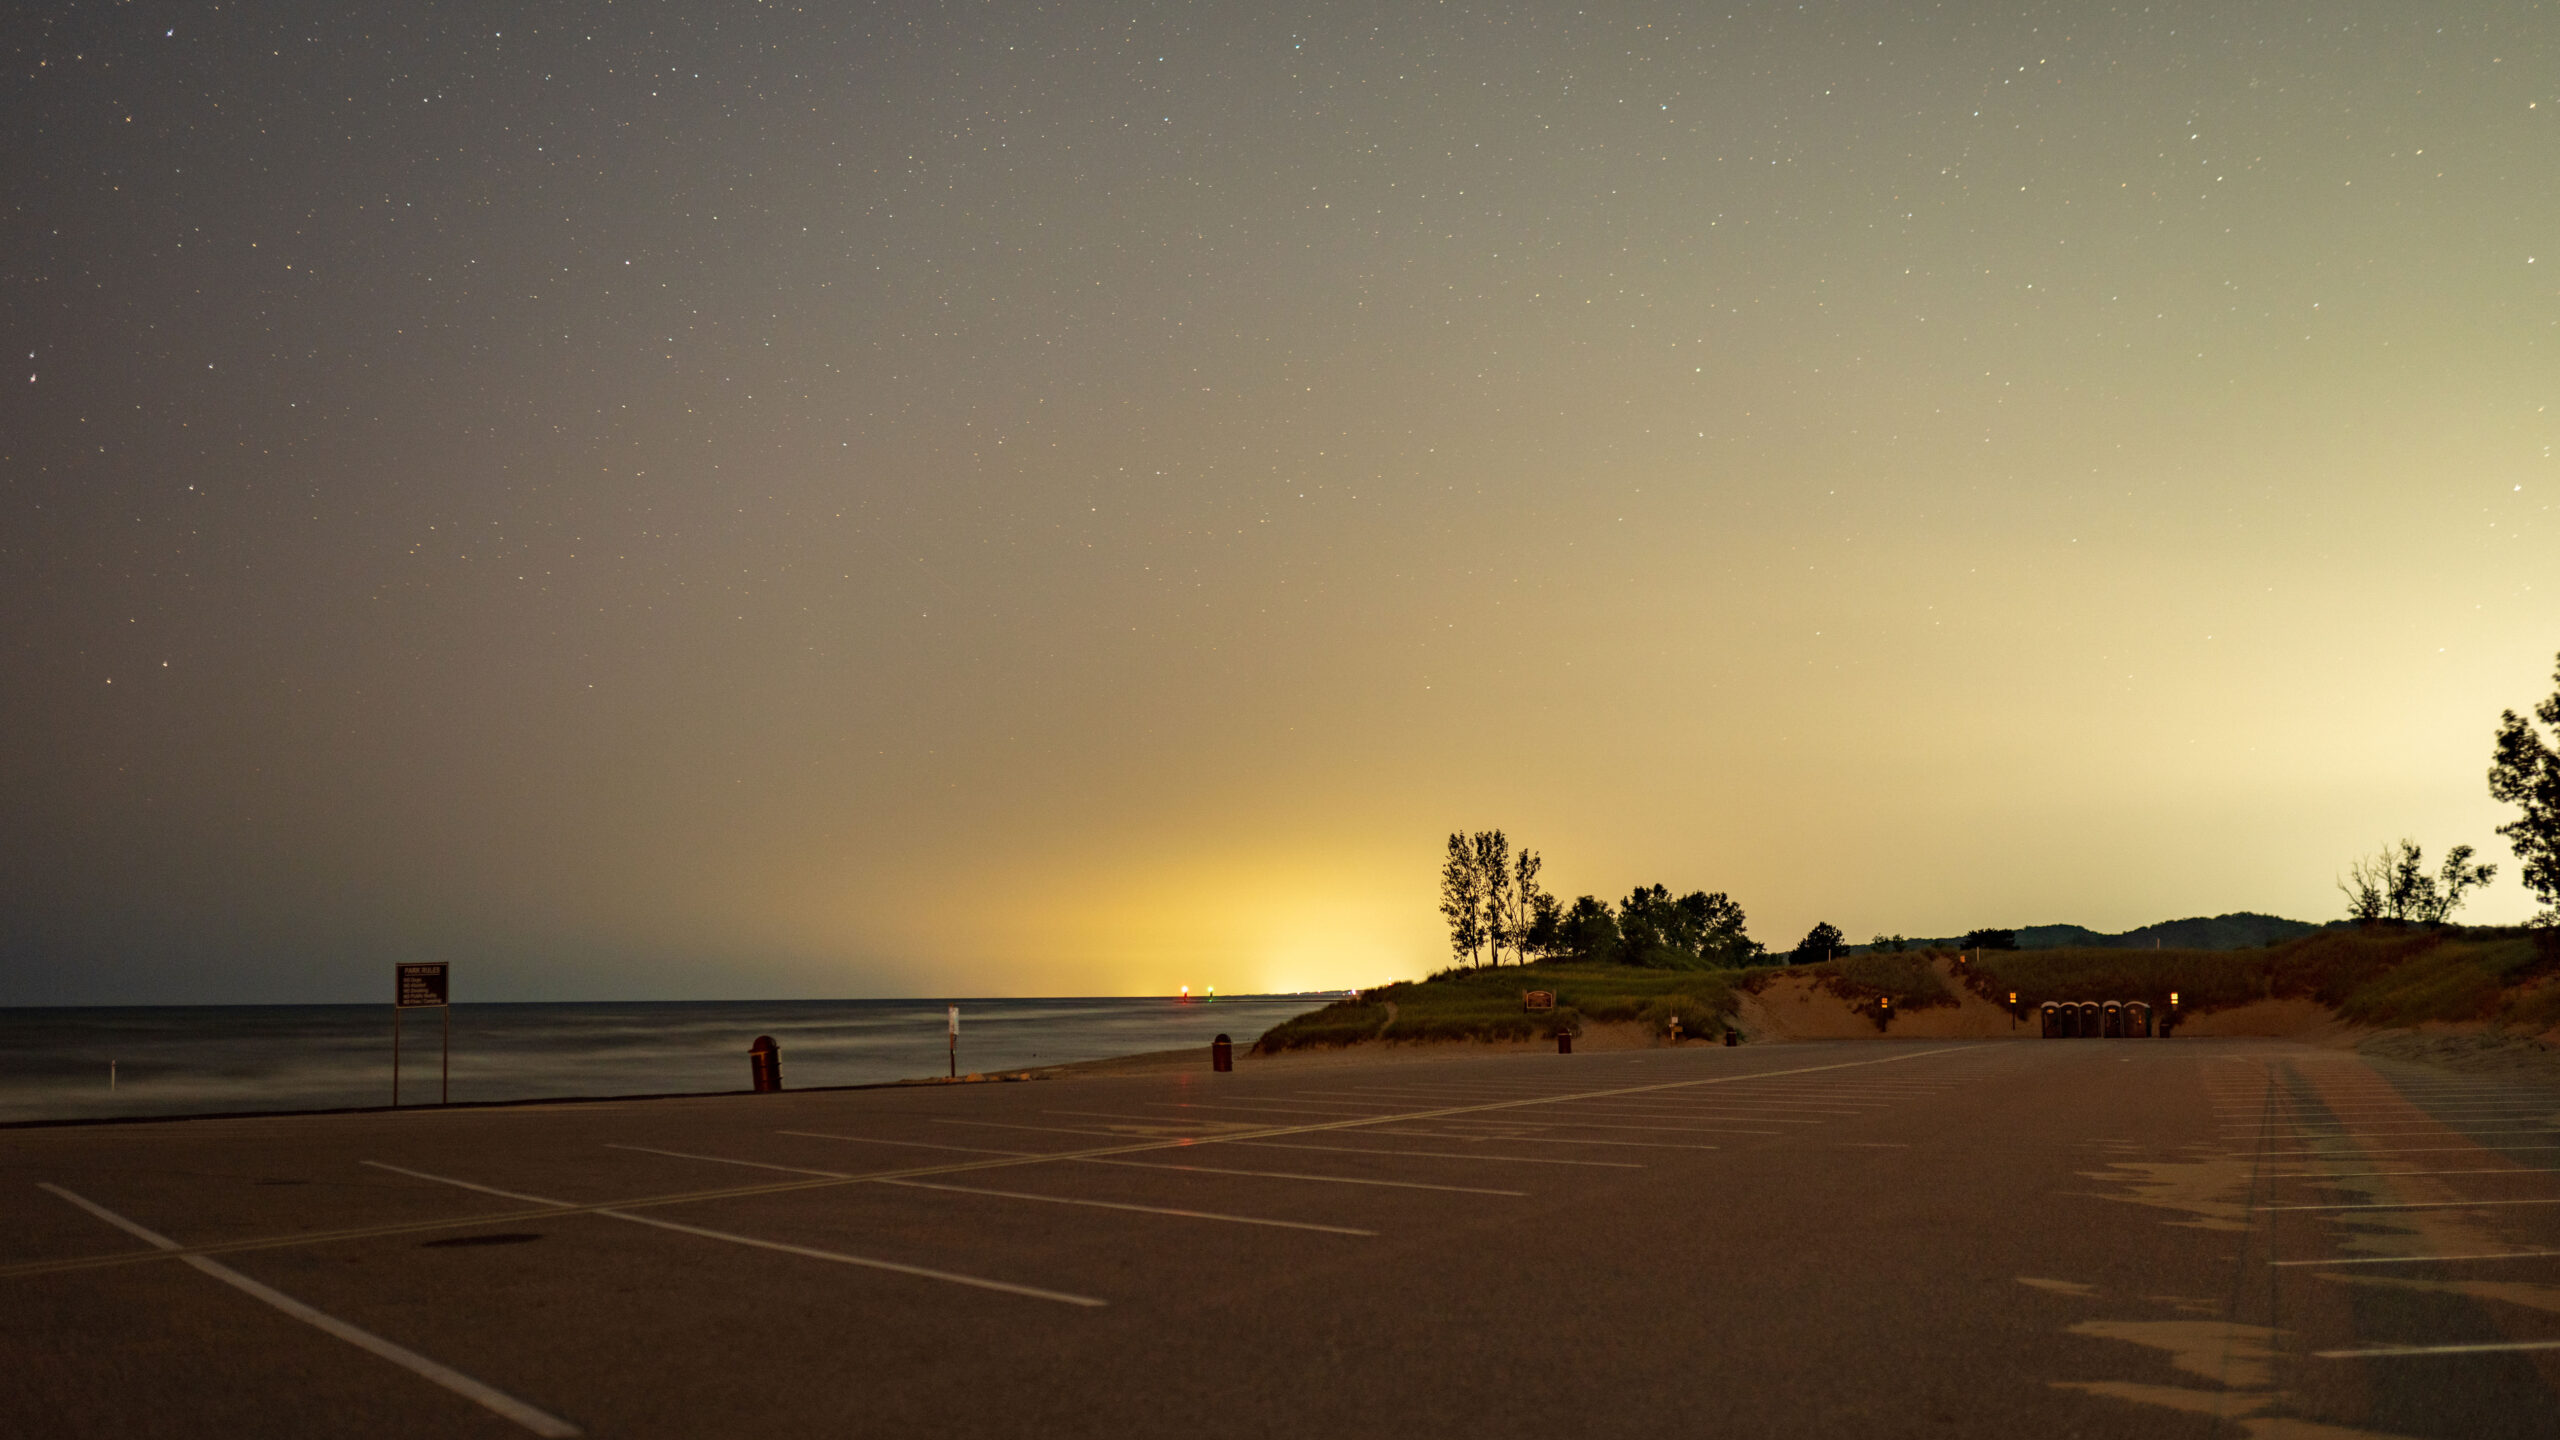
(955, 1042)
(418, 987)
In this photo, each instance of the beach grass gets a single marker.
(2380, 976)
(1488, 1004)
(1907, 978)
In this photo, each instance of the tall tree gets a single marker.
(1462, 898)
(1493, 862)
(1545, 936)
(1820, 943)
(2458, 875)
(1721, 940)
(1588, 932)
(2524, 770)
(1647, 921)
(1529, 904)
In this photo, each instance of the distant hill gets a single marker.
(2240, 930)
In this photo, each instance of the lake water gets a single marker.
(199, 1059)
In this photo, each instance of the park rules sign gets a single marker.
(420, 987)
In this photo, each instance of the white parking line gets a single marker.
(1286, 1109)
(2333, 1177)
(1129, 1145)
(1319, 1179)
(1339, 1149)
(1623, 1125)
(914, 1144)
(1204, 1126)
(1444, 1155)
(2350, 1111)
(2386, 1119)
(2413, 1205)
(1677, 1106)
(1152, 1165)
(2385, 1352)
(1138, 1209)
(2385, 1132)
(487, 1397)
(2411, 1150)
(1668, 1112)
(1052, 1199)
(977, 1282)
(1549, 1140)
(744, 1164)
(2423, 1259)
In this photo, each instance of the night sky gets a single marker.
(687, 499)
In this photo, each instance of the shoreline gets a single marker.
(2442, 1045)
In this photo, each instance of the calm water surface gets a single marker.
(194, 1059)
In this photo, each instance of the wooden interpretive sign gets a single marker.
(1537, 999)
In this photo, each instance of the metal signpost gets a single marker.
(418, 987)
(955, 1042)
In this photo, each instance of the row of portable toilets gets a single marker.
(2098, 1019)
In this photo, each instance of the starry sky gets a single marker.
(662, 500)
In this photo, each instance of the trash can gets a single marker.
(1732, 1036)
(1222, 1054)
(764, 1063)
(1564, 1042)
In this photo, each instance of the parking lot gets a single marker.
(2091, 1237)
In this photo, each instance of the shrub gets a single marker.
(1904, 978)
(1699, 1018)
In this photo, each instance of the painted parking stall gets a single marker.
(1163, 1235)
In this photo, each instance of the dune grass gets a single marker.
(1486, 1005)
(2381, 976)
(1907, 978)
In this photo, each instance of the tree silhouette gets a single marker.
(1462, 899)
(2395, 885)
(2525, 771)
(1820, 943)
(1493, 864)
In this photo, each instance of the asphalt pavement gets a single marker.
(2182, 1237)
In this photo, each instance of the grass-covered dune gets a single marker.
(2383, 977)
(1908, 978)
(1486, 1005)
